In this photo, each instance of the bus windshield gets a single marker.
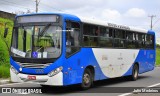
(37, 41)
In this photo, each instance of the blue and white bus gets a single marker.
(61, 49)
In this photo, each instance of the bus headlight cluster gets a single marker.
(56, 71)
(14, 70)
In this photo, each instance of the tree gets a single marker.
(157, 45)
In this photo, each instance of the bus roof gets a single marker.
(92, 21)
(103, 23)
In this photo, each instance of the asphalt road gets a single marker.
(110, 87)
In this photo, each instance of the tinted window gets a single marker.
(72, 38)
(105, 42)
(149, 41)
(129, 36)
(90, 35)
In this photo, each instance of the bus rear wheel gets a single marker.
(135, 71)
(87, 79)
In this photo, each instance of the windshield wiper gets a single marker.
(41, 33)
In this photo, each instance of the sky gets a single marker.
(126, 12)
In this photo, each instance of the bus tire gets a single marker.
(87, 79)
(135, 71)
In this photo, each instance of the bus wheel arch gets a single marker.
(91, 68)
(88, 77)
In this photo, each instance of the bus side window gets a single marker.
(130, 40)
(95, 38)
(119, 38)
(105, 39)
(149, 41)
(72, 38)
(141, 40)
(90, 35)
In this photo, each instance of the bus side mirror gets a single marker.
(5, 32)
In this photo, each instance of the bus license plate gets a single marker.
(31, 77)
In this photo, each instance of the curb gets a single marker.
(4, 81)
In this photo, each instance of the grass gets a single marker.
(158, 57)
(4, 71)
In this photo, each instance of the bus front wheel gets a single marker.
(87, 79)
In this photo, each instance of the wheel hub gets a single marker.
(135, 73)
(86, 78)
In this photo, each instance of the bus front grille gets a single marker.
(33, 65)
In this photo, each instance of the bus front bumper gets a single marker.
(56, 80)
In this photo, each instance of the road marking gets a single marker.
(125, 94)
(154, 85)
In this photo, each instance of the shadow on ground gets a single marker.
(99, 87)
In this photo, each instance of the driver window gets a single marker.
(72, 38)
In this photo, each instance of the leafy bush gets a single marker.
(4, 53)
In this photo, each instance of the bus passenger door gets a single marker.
(72, 38)
(72, 41)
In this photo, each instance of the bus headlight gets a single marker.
(14, 70)
(56, 71)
